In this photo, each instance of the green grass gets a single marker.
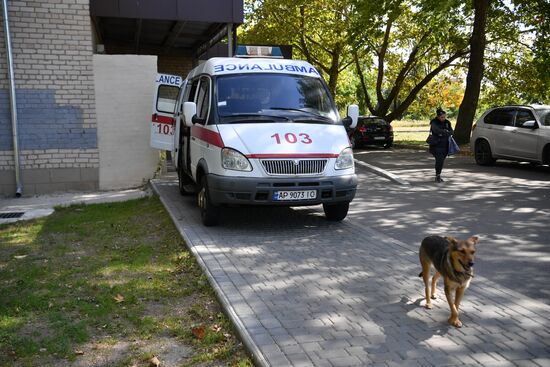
(403, 136)
(60, 277)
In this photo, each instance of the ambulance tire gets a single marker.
(336, 212)
(210, 214)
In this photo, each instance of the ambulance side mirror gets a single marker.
(353, 116)
(189, 110)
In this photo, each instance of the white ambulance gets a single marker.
(256, 131)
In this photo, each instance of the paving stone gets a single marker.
(313, 292)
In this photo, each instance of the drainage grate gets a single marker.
(11, 215)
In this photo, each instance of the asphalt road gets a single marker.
(506, 205)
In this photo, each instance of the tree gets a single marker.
(317, 29)
(410, 45)
(392, 50)
(468, 106)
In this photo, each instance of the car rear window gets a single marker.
(503, 117)
(371, 121)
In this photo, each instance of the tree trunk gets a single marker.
(467, 110)
(334, 71)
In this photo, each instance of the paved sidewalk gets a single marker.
(307, 292)
(43, 205)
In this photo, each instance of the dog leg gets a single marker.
(458, 299)
(435, 278)
(426, 277)
(453, 320)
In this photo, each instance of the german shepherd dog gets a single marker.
(453, 259)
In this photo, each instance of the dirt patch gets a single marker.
(35, 330)
(100, 355)
(169, 351)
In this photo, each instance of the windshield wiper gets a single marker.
(247, 117)
(299, 110)
(316, 120)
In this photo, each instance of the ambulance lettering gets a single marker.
(170, 79)
(292, 138)
(221, 68)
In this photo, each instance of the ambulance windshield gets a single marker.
(295, 97)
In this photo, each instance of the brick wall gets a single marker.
(175, 65)
(52, 48)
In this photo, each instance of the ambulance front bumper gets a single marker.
(267, 191)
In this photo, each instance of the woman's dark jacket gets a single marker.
(442, 131)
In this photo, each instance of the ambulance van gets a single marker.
(256, 131)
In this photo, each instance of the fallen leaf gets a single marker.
(216, 328)
(119, 298)
(79, 352)
(198, 332)
(155, 361)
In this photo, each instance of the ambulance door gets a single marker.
(179, 126)
(167, 88)
(185, 134)
(198, 142)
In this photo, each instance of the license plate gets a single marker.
(379, 138)
(294, 195)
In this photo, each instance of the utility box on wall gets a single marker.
(124, 86)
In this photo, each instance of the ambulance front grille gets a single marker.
(294, 166)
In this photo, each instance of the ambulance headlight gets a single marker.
(345, 159)
(231, 159)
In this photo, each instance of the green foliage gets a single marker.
(317, 29)
(517, 56)
(407, 57)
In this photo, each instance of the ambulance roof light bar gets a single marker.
(270, 52)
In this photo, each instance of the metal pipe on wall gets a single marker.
(230, 45)
(13, 100)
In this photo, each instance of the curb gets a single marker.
(247, 340)
(382, 172)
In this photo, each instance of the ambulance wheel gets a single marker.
(185, 184)
(336, 212)
(210, 214)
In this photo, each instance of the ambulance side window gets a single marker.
(179, 100)
(191, 90)
(203, 99)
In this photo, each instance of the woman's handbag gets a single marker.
(453, 146)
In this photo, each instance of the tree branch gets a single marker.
(381, 59)
(363, 84)
(412, 94)
(411, 61)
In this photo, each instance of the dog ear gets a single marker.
(473, 239)
(452, 241)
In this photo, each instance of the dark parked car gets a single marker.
(371, 131)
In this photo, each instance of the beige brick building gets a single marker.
(53, 46)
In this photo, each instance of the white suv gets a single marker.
(520, 133)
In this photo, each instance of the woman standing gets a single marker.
(440, 129)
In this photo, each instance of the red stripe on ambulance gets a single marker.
(209, 136)
(293, 155)
(162, 119)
